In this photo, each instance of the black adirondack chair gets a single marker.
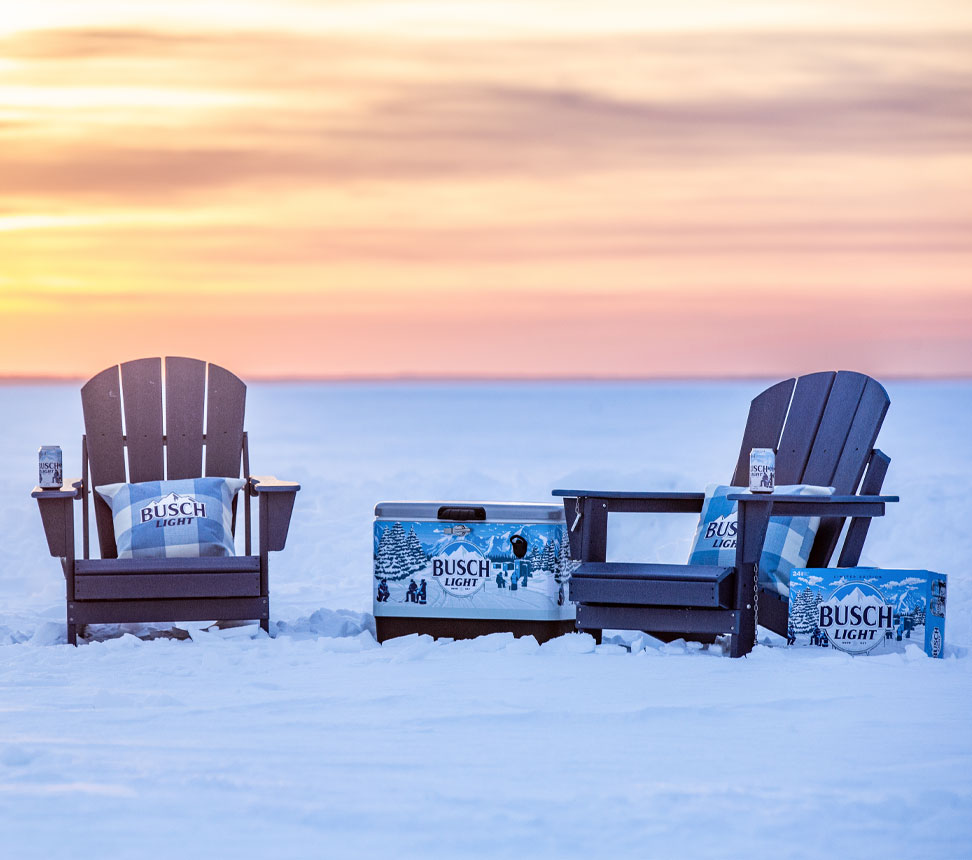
(823, 427)
(202, 435)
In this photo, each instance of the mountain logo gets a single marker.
(460, 568)
(856, 618)
(172, 510)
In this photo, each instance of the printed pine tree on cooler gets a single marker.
(392, 561)
(383, 554)
(534, 557)
(380, 555)
(548, 559)
(565, 565)
(415, 556)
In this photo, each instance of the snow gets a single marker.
(320, 742)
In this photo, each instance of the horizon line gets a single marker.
(350, 379)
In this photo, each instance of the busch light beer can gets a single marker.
(762, 470)
(49, 467)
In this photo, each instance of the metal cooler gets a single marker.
(464, 569)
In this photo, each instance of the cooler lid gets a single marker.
(470, 511)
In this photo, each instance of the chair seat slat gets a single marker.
(169, 609)
(166, 585)
(206, 564)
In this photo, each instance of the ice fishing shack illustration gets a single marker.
(464, 569)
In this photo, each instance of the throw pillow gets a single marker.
(788, 539)
(173, 519)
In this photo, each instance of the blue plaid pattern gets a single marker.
(788, 539)
(173, 519)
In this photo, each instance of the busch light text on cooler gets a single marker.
(762, 470)
(49, 467)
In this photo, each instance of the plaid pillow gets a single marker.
(788, 539)
(173, 519)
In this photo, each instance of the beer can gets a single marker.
(762, 470)
(49, 467)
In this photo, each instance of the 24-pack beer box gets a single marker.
(864, 610)
(463, 569)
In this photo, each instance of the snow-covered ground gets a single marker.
(320, 743)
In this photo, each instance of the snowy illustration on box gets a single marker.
(868, 610)
(507, 568)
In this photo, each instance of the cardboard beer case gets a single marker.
(865, 610)
(464, 569)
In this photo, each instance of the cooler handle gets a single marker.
(461, 512)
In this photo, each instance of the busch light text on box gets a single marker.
(864, 610)
(491, 570)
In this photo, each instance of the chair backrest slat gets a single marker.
(225, 406)
(102, 409)
(860, 440)
(806, 410)
(835, 424)
(185, 401)
(852, 460)
(877, 468)
(151, 455)
(142, 395)
(767, 413)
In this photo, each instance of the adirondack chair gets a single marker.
(203, 426)
(823, 426)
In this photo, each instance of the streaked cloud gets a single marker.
(262, 107)
(362, 162)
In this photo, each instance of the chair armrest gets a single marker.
(57, 515)
(816, 506)
(621, 502)
(623, 494)
(70, 490)
(276, 506)
(270, 484)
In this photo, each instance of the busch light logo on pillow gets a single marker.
(186, 518)
(855, 618)
(461, 569)
(172, 510)
(721, 533)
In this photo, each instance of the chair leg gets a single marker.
(72, 634)
(265, 624)
(742, 643)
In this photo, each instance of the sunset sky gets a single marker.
(487, 188)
